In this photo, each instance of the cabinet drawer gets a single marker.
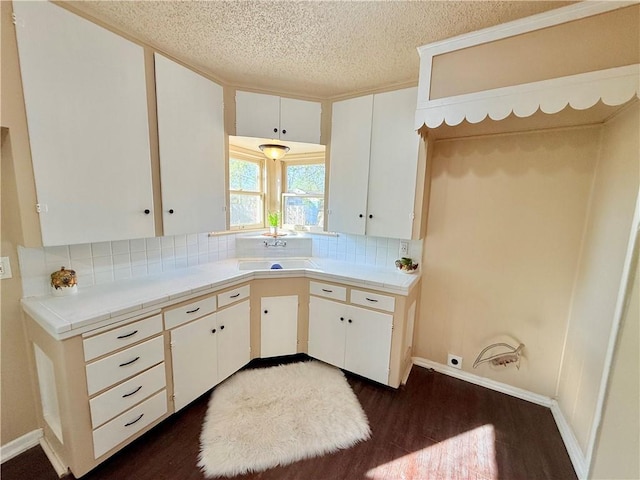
(120, 428)
(191, 311)
(232, 296)
(373, 300)
(118, 399)
(117, 338)
(114, 368)
(327, 290)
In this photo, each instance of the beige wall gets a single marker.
(17, 227)
(506, 217)
(598, 278)
(619, 443)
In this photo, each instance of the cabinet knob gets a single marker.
(284, 132)
(171, 210)
(266, 311)
(213, 331)
(221, 327)
(342, 319)
(360, 215)
(370, 216)
(275, 130)
(350, 321)
(147, 211)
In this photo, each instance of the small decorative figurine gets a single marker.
(64, 282)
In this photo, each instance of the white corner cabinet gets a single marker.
(271, 116)
(86, 102)
(207, 345)
(109, 380)
(278, 326)
(191, 143)
(376, 175)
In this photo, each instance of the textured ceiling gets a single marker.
(318, 49)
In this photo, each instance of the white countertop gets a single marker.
(100, 305)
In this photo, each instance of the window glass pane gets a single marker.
(245, 209)
(305, 179)
(308, 211)
(244, 175)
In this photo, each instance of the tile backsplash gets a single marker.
(363, 250)
(104, 262)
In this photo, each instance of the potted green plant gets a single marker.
(274, 221)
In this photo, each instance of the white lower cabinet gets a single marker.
(120, 428)
(349, 337)
(206, 351)
(278, 326)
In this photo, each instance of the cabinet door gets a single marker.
(349, 164)
(191, 140)
(300, 120)
(327, 322)
(233, 342)
(86, 103)
(278, 326)
(368, 343)
(393, 165)
(195, 359)
(257, 115)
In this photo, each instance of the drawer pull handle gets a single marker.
(193, 311)
(120, 337)
(327, 290)
(132, 393)
(371, 299)
(235, 296)
(135, 421)
(129, 362)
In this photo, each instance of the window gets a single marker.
(246, 193)
(303, 195)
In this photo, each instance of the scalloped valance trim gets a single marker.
(614, 86)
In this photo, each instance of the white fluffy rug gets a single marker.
(262, 418)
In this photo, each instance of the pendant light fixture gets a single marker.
(274, 151)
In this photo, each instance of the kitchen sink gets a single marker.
(277, 264)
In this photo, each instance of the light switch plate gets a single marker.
(5, 268)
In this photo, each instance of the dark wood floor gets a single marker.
(434, 427)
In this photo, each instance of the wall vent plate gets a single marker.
(454, 361)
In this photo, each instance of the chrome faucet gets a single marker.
(275, 243)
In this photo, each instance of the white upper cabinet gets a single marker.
(374, 165)
(393, 165)
(349, 167)
(191, 141)
(86, 103)
(270, 116)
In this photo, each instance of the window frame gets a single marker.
(241, 154)
(307, 160)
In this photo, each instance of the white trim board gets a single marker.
(485, 382)
(570, 442)
(20, 445)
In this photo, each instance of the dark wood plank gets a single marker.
(433, 427)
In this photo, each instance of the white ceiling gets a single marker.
(315, 49)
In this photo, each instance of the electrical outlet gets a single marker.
(404, 249)
(454, 361)
(5, 268)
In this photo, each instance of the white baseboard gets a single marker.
(485, 382)
(571, 443)
(56, 463)
(576, 455)
(20, 445)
